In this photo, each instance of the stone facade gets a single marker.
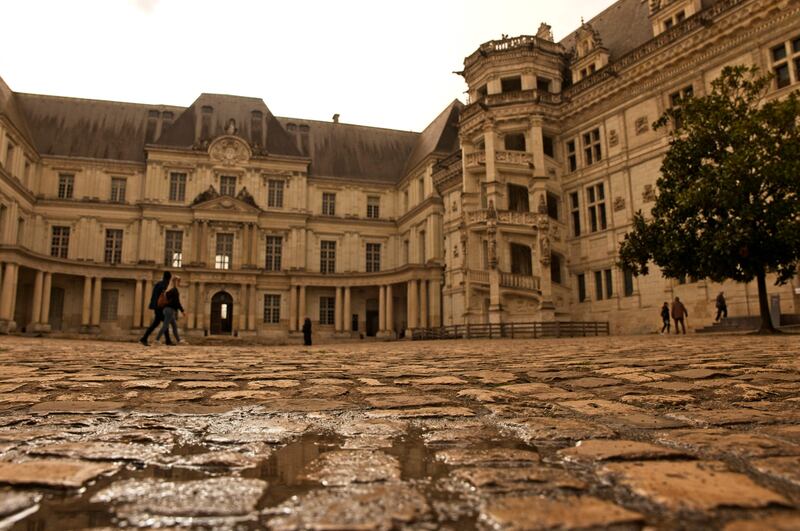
(510, 208)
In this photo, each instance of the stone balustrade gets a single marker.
(515, 281)
(508, 217)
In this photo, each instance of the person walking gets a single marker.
(307, 332)
(722, 307)
(679, 314)
(665, 317)
(158, 313)
(171, 308)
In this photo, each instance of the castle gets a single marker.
(507, 209)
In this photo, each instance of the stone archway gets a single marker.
(221, 313)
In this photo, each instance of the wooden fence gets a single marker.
(515, 330)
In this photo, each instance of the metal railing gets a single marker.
(533, 330)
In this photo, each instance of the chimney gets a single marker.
(336, 118)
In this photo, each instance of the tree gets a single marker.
(728, 204)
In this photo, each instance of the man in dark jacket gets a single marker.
(722, 307)
(307, 332)
(158, 313)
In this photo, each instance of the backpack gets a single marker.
(162, 300)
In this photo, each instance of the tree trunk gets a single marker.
(763, 305)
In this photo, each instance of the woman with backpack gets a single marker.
(170, 301)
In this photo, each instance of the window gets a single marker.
(275, 194)
(422, 255)
(481, 92)
(109, 299)
(227, 185)
(548, 146)
(511, 84)
(572, 157)
(274, 249)
(675, 100)
(205, 122)
(272, 309)
(118, 189)
(373, 257)
(518, 198)
(552, 205)
(591, 147)
(598, 285)
(173, 248)
(609, 283)
(581, 288)
(327, 256)
(421, 189)
(328, 204)
(59, 243)
(576, 213)
(782, 56)
(177, 186)
(627, 280)
(555, 268)
(603, 284)
(66, 183)
(680, 17)
(542, 84)
(113, 251)
(596, 201)
(9, 160)
(515, 142)
(327, 310)
(521, 260)
(668, 24)
(405, 201)
(373, 207)
(223, 258)
(256, 127)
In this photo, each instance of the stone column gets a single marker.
(7, 301)
(423, 304)
(434, 303)
(413, 304)
(292, 308)
(389, 309)
(302, 315)
(253, 307)
(96, 298)
(337, 310)
(36, 308)
(381, 308)
(346, 316)
(137, 304)
(44, 317)
(148, 290)
(200, 306)
(86, 309)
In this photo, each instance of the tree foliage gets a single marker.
(728, 204)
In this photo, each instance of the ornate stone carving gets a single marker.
(545, 32)
(208, 195)
(613, 138)
(544, 245)
(542, 208)
(229, 150)
(641, 125)
(649, 193)
(619, 203)
(246, 197)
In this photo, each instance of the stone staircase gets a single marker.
(745, 323)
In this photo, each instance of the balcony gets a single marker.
(522, 282)
(478, 277)
(520, 159)
(507, 217)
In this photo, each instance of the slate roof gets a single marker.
(440, 137)
(9, 106)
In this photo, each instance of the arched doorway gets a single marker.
(221, 313)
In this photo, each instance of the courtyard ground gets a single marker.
(622, 432)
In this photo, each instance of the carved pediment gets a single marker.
(229, 150)
(211, 200)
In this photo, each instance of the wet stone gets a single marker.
(784, 468)
(527, 388)
(492, 377)
(203, 384)
(343, 467)
(398, 401)
(103, 451)
(211, 501)
(718, 440)
(484, 395)
(21, 397)
(146, 384)
(516, 478)
(421, 412)
(723, 417)
(371, 506)
(556, 429)
(281, 384)
(614, 449)
(65, 473)
(83, 406)
(433, 380)
(175, 396)
(13, 503)
(373, 427)
(490, 457)
(657, 400)
(697, 374)
(591, 382)
(229, 459)
(244, 395)
(690, 485)
(324, 391)
(275, 430)
(573, 512)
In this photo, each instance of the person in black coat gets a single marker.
(158, 313)
(665, 317)
(171, 310)
(307, 332)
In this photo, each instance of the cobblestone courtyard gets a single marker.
(657, 432)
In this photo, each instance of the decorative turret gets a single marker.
(589, 54)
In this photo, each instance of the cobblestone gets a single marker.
(645, 432)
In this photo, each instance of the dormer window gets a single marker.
(511, 84)
(205, 122)
(256, 127)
